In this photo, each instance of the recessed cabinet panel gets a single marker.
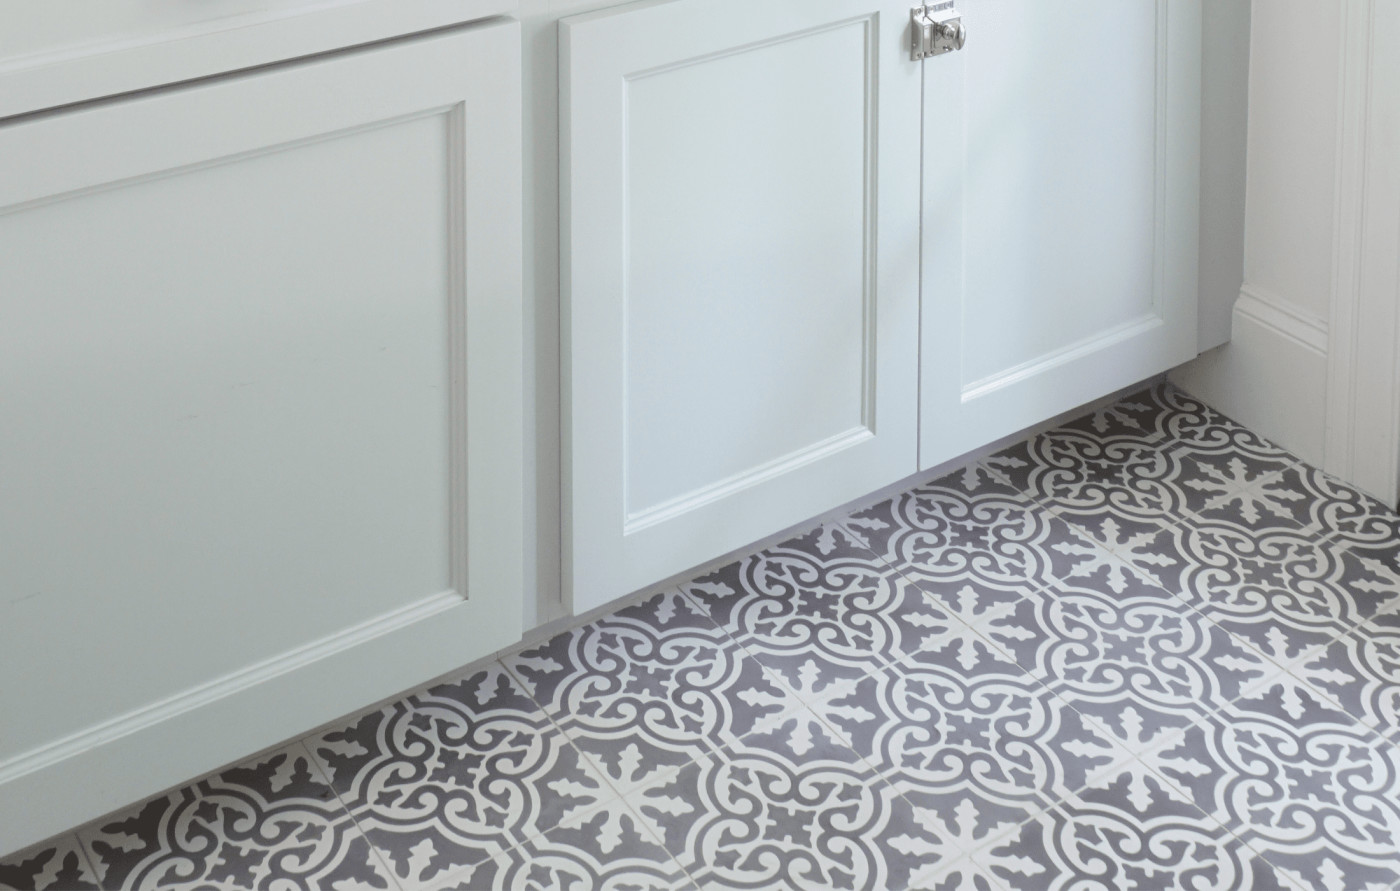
(746, 287)
(1061, 178)
(741, 241)
(1060, 194)
(260, 376)
(252, 407)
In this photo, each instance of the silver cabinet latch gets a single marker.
(937, 28)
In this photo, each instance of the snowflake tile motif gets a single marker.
(974, 601)
(660, 670)
(457, 774)
(946, 829)
(1137, 665)
(1088, 845)
(1219, 482)
(999, 741)
(838, 608)
(942, 531)
(1270, 502)
(1248, 581)
(1297, 791)
(1332, 509)
(760, 815)
(609, 849)
(1361, 673)
(960, 875)
(56, 865)
(1140, 416)
(274, 822)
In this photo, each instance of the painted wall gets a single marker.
(1224, 100)
(1273, 374)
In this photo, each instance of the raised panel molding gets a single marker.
(49, 57)
(1081, 335)
(268, 665)
(739, 245)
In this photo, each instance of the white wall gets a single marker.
(1314, 359)
(1272, 375)
(1224, 99)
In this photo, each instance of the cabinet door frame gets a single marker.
(470, 77)
(958, 416)
(609, 552)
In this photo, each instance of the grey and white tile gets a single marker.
(272, 823)
(661, 672)
(1137, 663)
(758, 814)
(56, 865)
(956, 528)
(1145, 649)
(457, 774)
(1099, 845)
(833, 611)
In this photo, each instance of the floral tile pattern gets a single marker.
(274, 822)
(58, 865)
(457, 774)
(1146, 649)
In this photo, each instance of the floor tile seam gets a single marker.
(873, 780)
(380, 856)
(57, 841)
(91, 856)
(1199, 610)
(570, 741)
(1228, 835)
(1056, 800)
(1239, 701)
(887, 568)
(345, 813)
(1200, 604)
(637, 822)
(1269, 856)
(1035, 585)
(1337, 537)
(704, 611)
(379, 853)
(83, 853)
(928, 877)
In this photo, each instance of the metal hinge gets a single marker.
(937, 28)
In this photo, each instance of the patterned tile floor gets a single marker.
(1144, 650)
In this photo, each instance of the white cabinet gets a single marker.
(260, 375)
(1061, 173)
(766, 205)
(740, 234)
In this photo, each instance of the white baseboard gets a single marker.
(1271, 376)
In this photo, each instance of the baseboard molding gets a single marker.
(1271, 376)
(1272, 313)
(77, 779)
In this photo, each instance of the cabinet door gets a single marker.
(1060, 211)
(260, 364)
(740, 235)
